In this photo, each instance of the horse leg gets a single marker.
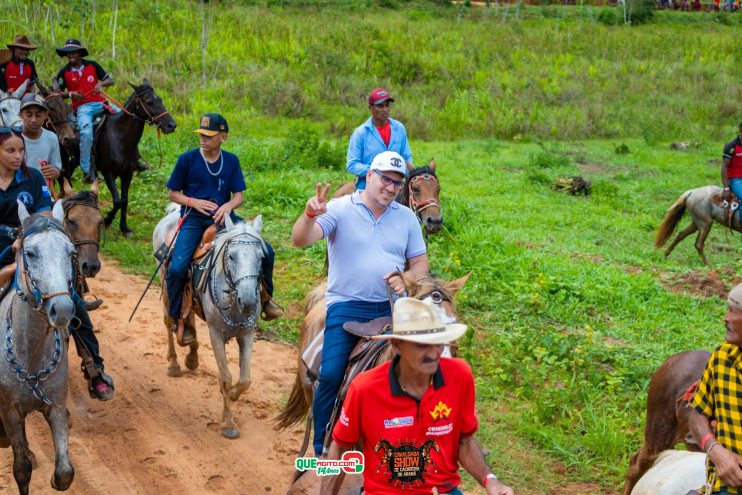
(125, 183)
(701, 240)
(243, 384)
(229, 428)
(682, 235)
(111, 183)
(14, 426)
(191, 359)
(63, 470)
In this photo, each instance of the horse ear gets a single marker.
(257, 224)
(42, 88)
(432, 165)
(228, 223)
(67, 190)
(18, 93)
(22, 211)
(58, 211)
(133, 86)
(145, 82)
(457, 284)
(94, 187)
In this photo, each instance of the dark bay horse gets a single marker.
(704, 205)
(667, 412)
(421, 194)
(115, 150)
(58, 122)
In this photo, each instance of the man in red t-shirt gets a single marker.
(414, 416)
(731, 167)
(19, 68)
(83, 80)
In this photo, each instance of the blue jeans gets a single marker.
(736, 186)
(85, 331)
(86, 115)
(188, 239)
(336, 349)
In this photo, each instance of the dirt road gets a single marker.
(161, 435)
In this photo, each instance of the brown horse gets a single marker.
(58, 120)
(440, 291)
(704, 205)
(667, 412)
(84, 223)
(421, 194)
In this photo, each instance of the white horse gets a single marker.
(230, 302)
(10, 106)
(675, 472)
(33, 320)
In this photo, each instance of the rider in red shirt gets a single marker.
(414, 416)
(19, 68)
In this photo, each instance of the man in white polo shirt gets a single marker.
(368, 236)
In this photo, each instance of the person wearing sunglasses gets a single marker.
(378, 134)
(369, 235)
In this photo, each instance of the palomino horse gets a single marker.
(704, 205)
(10, 106)
(441, 292)
(229, 304)
(667, 412)
(116, 147)
(421, 194)
(675, 472)
(34, 318)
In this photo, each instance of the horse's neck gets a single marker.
(128, 127)
(28, 327)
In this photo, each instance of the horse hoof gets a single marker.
(127, 233)
(191, 362)
(231, 433)
(63, 481)
(174, 371)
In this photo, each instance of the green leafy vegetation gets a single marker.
(568, 304)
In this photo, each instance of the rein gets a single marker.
(418, 206)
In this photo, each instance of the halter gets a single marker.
(55, 123)
(67, 205)
(418, 206)
(29, 282)
(231, 283)
(151, 120)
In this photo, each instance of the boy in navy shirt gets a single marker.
(209, 181)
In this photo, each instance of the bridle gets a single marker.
(151, 119)
(28, 281)
(68, 205)
(419, 206)
(63, 118)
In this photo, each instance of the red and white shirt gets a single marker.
(14, 72)
(410, 446)
(82, 80)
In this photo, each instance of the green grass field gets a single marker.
(570, 308)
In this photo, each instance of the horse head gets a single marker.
(148, 106)
(59, 111)
(241, 250)
(10, 106)
(44, 272)
(421, 194)
(83, 222)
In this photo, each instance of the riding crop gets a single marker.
(162, 261)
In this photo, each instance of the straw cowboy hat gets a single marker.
(22, 41)
(418, 321)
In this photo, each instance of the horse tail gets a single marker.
(296, 408)
(673, 216)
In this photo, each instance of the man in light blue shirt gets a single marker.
(368, 236)
(379, 133)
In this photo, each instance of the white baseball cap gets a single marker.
(389, 161)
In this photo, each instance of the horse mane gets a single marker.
(226, 235)
(404, 193)
(86, 198)
(38, 221)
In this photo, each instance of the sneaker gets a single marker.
(101, 389)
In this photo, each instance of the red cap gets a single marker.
(379, 96)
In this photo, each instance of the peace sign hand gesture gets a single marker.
(317, 205)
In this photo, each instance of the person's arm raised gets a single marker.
(306, 231)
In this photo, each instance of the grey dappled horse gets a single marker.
(34, 320)
(230, 303)
(10, 106)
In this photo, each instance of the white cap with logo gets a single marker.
(389, 161)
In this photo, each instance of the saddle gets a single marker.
(207, 242)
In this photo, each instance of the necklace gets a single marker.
(221, 164)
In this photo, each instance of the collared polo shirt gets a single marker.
(410, 446)
(362, 249)
(719, 397)
(82, 79)
(14, 72)
(366, 143)
(31, 190)
(733, 151)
